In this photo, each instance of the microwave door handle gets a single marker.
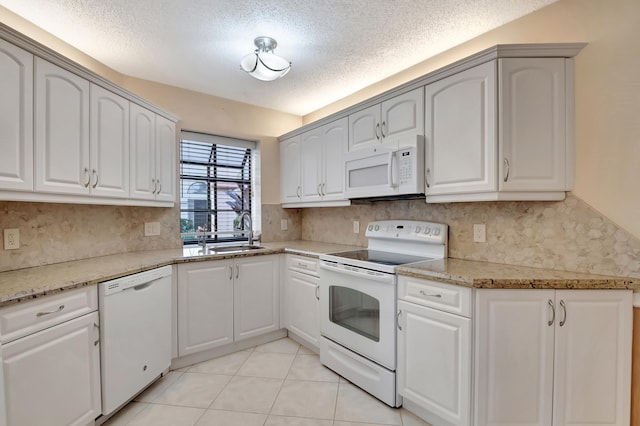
(390, 169)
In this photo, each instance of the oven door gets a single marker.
(357, 308)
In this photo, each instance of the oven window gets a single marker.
(355, 311)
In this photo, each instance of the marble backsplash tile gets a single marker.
(272, 214)
(52, 233)
(565, 235)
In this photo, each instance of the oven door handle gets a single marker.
(381, 278)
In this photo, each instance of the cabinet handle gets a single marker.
(41, 314)
(88, 175)
(382, 129)
(302, 265)
(318, 291)
(506, 169)
(426, 178)
(564, 310)
(398, 319)
(155, 186)
(298, 192)
(390, 169)
(319, 190)
(237, 271)
(159, 186)
(378, 131)
(553, 312)
(97, 341)
(322, 189)
(230, 272)
(95, 173)
(430, 295)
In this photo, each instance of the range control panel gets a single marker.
(408, 230)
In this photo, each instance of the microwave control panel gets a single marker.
(405, 165)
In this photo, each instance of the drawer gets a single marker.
(306, 265)
(445, 297)
(25, 318)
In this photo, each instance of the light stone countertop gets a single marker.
(477, 274)
(29, 283)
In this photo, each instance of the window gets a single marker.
(215, 186)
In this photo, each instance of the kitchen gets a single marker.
(594, 230)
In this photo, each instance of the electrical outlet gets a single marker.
(356, 227)
(11, 239)
(284, 224)
(151, 229)
(479, 233)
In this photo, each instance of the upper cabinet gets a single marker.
(290, 180)
(388, 123)
(16, 118)
(501, 131)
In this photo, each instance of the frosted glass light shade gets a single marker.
(263, 64)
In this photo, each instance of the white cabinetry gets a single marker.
(61, 130)
(528, 156)
(434, 350)
(51, 360)
(153, 145)
(290, 178)
(302, 299)
(546, 357)
(223, 301)
(388, 123)
(16, 118)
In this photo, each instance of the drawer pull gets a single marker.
(422, 293)
(302, 265)
(98, 328)
(41, 314)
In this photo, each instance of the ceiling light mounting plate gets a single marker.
(265, 44)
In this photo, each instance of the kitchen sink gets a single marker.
(233, 249)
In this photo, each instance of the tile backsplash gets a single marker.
(565, 235)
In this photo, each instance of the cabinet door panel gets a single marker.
(205, 306)
(311, 163)
(16, 118)
(290, 170)
(303, 315)
(165, 159)
(142, 153)
(53, 377)
(364, 128)
(593, 358)
(434, 362)
(514, 357)
(403, 119)
(62, 130)
(256, 296)
(460, 132)
(532, 123)
(335, 140)
(109, 144)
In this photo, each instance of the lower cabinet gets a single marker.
(52, 377)
(302, 299)
(553, 357)
(223, 301)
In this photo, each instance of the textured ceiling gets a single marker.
(337, 47)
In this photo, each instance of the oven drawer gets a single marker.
(445, 297)
(304, 264)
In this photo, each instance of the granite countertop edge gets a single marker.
(30, 283)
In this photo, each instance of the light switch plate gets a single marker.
(284, 224)
(356, 227)
(479, 233)
(11, 239)
(151, 229)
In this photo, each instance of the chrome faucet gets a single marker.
(241, 223)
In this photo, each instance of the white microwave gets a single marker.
(384, 171)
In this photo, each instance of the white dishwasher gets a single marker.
(135, 334)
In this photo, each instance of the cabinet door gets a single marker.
(434, 362)
(256, 296)
(532, 124)
(403, 119)
(109, 144)
(514, 357)
(311, 162)
(16, 118)
(335, 139)
(592, 357)
(290, 170)
(142, 153)
(460, 132)
(53, 377)
(165, 159)
(205, 306)
(364, 128)
(61, 130)
(303, 307)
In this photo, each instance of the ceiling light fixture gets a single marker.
(263, 64)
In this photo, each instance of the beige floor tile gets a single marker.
(267, 364)
(158, 387)
(357, 424)
(231, 418)
(306, 399)
(410, 419)
(250, 394)
(227, 364)
(125, 415)
(193, 390)
(166, 415)
(355, 405)
(296, 421)
(282, 346)
(308, 367)
(306, 351)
